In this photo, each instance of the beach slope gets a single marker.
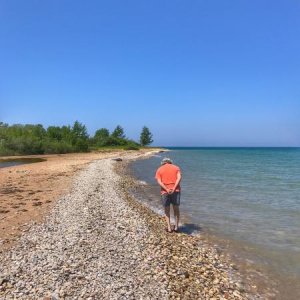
(99, 243)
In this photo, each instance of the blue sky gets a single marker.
(197, 73)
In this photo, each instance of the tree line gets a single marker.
(18, 139)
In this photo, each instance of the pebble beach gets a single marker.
(98, 242)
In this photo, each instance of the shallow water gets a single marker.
(250, 196)
(18, 161)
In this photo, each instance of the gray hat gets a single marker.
(166, 160)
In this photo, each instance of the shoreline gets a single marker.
(267, 280)
(260, 280)
(96, 216)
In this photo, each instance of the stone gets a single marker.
(98, 242)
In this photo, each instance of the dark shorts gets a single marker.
(167, 199)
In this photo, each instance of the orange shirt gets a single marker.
(167, 173)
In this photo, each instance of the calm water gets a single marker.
(250, 196)
(18, 161)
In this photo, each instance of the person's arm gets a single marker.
(162, 185)
(177, 181)
(158, 179)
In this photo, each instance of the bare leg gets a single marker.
(167, 217)
(176, 215)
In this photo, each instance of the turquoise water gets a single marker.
(247, 195)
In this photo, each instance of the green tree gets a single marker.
(101, 137)
(102, 133)
(66, 133)
(54, 132)
(118, 133)
(37, 131)
(3, 130)
(79, 137)
(146, 137)
(19, 139)
(79, 131)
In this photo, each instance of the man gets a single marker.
(168, 177)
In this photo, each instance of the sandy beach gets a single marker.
(95, 241)
(29, 191)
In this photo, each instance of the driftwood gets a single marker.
(117, 159)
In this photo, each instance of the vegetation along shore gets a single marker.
(19, 139)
